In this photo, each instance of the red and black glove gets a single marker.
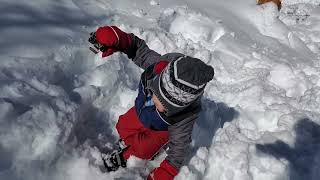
(113, 38)
(165, 172)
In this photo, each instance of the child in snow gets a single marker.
(167, 105)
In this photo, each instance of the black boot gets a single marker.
(114, 160)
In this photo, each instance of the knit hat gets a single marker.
(181, 83)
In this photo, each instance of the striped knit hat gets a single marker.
(181, 83)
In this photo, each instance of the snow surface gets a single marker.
(59, 103)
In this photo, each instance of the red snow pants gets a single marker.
(143, 142)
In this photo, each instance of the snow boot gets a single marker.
(115, 159)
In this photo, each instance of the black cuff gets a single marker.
(132, 50)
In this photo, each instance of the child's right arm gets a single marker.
(134, 47)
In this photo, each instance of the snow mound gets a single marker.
(196, 27)
(283, 77)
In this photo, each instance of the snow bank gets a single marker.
(290, 2)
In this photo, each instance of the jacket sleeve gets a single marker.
(141, 54)
(179, 141)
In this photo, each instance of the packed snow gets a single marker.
(59, 102)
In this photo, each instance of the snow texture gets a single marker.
(59, 103)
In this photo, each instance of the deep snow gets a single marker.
(59, 103)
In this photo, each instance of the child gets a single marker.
(167, 105)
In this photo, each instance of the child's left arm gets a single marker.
(179, 141)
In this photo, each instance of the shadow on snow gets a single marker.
(30, 26)
(92, 128)
(212, 117)
(304, 156)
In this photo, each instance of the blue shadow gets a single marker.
(304, 156)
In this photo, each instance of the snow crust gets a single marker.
(59, 103)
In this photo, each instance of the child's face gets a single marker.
(157, 103)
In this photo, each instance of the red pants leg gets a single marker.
(142, 142)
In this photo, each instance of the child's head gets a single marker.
(180, 83)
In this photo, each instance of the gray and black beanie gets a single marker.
(181, 83)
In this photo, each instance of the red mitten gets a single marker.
(165, 172)
(114, 38)
(109, 52)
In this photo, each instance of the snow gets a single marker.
(153, 3)
(59, 103)
(283, 77)
(290, 2)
